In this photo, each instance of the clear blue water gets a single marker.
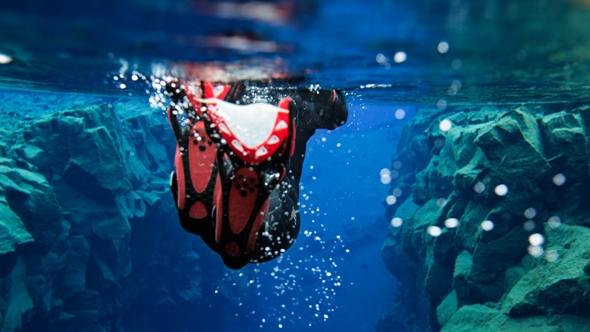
(66, 54)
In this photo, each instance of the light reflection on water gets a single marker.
(423, 52)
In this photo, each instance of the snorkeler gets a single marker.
(239, 159)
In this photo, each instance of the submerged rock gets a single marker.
(12, 230)
(483, 191)
(481, 318)
(72, 184)
(18, 300)
(26, 199)
(559, 284)
(95, 166)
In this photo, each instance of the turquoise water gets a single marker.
(449, 103)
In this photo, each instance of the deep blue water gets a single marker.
(67, 54)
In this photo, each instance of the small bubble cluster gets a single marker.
(398, 57)
(385, 176)
(306, 284)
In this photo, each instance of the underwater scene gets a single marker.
(295, 165)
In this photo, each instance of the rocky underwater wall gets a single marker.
(72, 185)
(491, 222)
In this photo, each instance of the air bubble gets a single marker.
(487, 225)
(551, 255)
(559, 179)
(535, 251)
(400, 114)
(536, 239)
(501, 190)
(390, 200)
(434, 231)
(443, 47)
(479, 187)
(451, 222)
(554, 222)
(438, 143)
(5, 59)
(400, 57)
(396, 222)
(530, 213)
(446, 124)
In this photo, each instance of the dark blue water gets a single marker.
(393, 59)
